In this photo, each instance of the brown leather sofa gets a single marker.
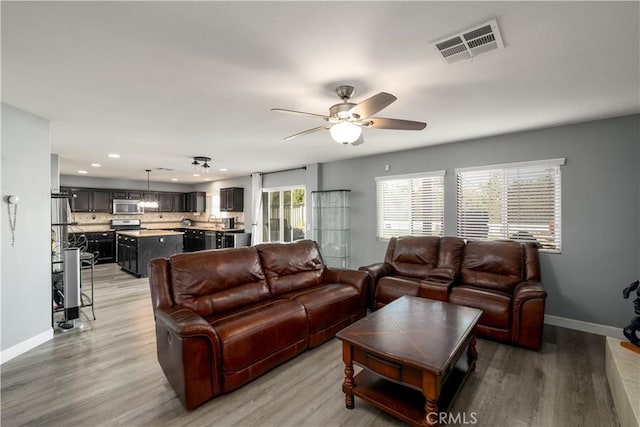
(502, 278)
(224, 317)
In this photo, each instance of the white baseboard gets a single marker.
(25, 346)
(579, 325)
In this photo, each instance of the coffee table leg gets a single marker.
(431, 393)
(472, 354)
(348, 384)
(431, 413)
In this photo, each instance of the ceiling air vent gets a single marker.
(471, 43)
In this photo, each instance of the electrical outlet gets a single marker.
(387, 167)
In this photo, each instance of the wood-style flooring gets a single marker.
(107, 374)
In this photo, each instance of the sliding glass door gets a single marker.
(283, 214)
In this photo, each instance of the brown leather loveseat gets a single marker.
(224, 317)
(502, 278)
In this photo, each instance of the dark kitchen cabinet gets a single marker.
(89, 200)
(126, 195)
(179, 204)
(101, 200)
(165, 202)
(196, 201)
(80, 200)
(103, 245)
(134, 253)
(232, 199)
(194, 240)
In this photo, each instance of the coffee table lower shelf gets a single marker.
(404, 402)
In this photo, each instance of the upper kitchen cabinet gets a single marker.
(165, 202)
(196, 201)
(126, 195)
(179, 202)
(232, 199)
(89, 200)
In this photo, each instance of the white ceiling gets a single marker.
(161, 82)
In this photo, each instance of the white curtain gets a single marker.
(256, 223)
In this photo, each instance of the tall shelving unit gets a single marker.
(331, 224)
(60, 223)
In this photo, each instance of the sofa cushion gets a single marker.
(291, 267)
(414, 256)
(328, 305)
(493, 265)
(210, 282)
(254, 333)
(390, 288)
(495, 306)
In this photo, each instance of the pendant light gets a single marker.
(147, 202)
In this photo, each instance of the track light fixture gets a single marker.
(201, 164)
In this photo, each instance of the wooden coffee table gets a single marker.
(411, 350)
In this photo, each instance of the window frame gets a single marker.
(506, 172)
(380, 217)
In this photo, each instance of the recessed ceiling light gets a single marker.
(174, 179)
(83, 172)
(196, 174)
(114, 156)
(207, 179)
(96, 165)
(223, 169)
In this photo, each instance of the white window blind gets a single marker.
(519, 201)
(410, 205)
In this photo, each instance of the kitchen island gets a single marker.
(135, 248)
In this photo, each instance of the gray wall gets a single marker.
(600, 206)
(25, 290)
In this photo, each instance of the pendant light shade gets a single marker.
(147, 202)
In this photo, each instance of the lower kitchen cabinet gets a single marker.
(103, 244)
(134, 253)
(194, 240)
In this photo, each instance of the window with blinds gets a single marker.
(410, 205)
(518, 201)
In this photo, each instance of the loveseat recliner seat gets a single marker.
(502, 278)
(224, 317)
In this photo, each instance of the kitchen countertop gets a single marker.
(149, 233)
(210, 228)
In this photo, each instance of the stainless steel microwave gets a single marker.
(127, 207)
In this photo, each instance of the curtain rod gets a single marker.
(284, 170)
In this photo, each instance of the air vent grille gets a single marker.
(470, 43)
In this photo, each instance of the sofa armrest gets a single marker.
(528, 290)
(435, 288)
(377, 270)
(528, 314)
(189, 354)
(185, 323)
(357, 279)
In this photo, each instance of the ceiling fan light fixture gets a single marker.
(345, 132)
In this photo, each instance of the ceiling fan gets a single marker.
(346, 119)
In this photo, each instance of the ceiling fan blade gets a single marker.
(306, 132)
(359, 140)
(382, 123)
(372, 105)
(301, 113)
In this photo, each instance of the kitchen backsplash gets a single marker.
(155, 220)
